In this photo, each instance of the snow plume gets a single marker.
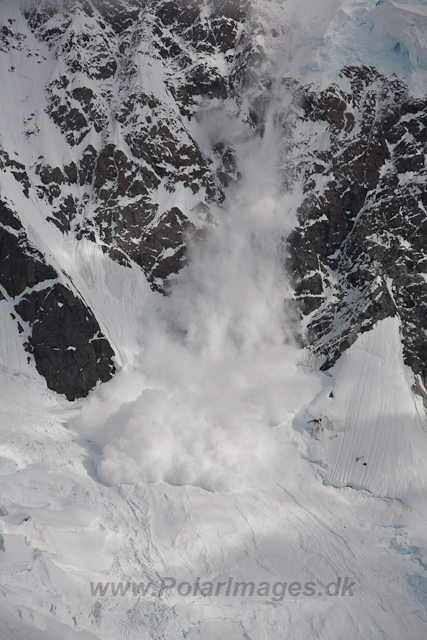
(220, 377)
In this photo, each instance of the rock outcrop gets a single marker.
(58, 330)
(359, 252)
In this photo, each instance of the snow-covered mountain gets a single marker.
(213, 285)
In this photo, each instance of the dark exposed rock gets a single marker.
(190, 37)
(65, 338)
(169, 233)
(359, 252)
(87, 165)
(8, 218)
(10, 40)
(72, 122)
(16, 169)
(22, 266)
(69, 349)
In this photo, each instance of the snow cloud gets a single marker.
(220, 377)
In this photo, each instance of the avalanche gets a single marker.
(199, 460)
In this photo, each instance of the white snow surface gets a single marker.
(330, 517)
(199, 459)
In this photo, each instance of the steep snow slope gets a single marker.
(199, 459)
(377, 442)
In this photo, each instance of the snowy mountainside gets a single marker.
(108, 150)
(133, 134)
(201, 205)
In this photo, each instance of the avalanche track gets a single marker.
(141, 157)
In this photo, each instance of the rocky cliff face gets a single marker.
(135, 150)
(358, 254)
(114, 145)
(58, 329)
